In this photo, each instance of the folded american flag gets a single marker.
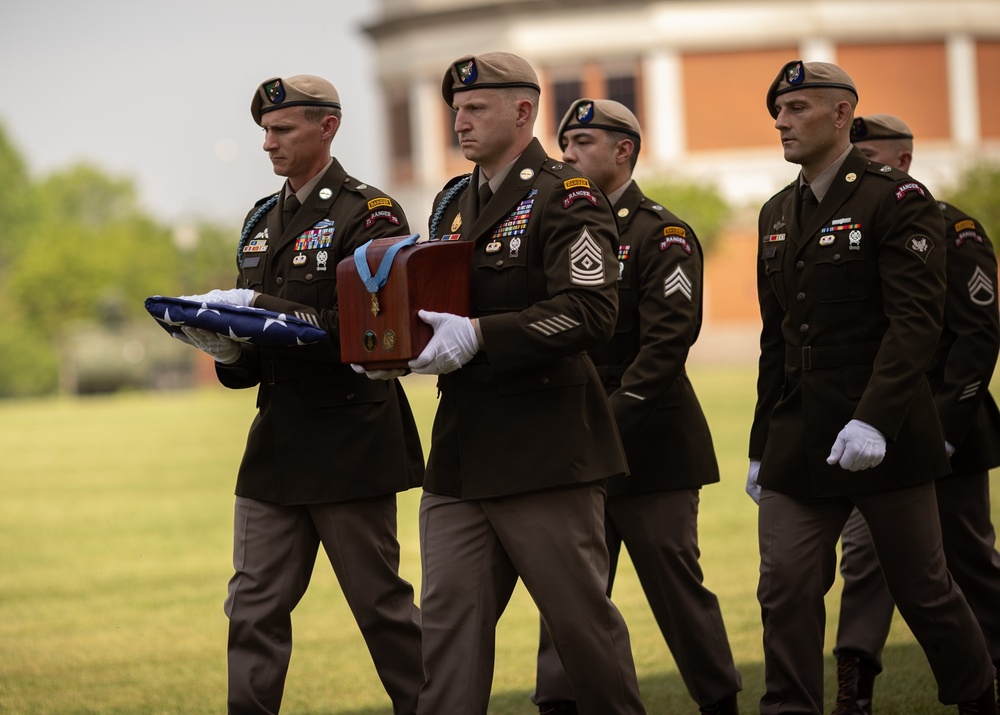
(248, 325)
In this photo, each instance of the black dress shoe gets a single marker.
(562, 707)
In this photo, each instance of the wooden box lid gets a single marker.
(381, 329)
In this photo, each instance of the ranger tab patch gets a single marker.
(675, 235)
(381, 201)
(376, 215)
(903, 189)
(572, 196)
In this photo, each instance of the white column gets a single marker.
(818, 49)
(963, 90)
(427, 133)
(664, 105)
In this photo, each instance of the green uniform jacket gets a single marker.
(528, 412)
(666, 437)
(966, 355)
(852, 307)
(322, 433)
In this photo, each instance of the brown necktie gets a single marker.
(288, 212)
(809, 204)
(485, 194)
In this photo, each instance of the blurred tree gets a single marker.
(16, 197)
(978, 194)
(208, 259)
(89, 242)
(701, 206)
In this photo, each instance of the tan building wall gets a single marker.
(696, 74)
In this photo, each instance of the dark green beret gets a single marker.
(598, 114)
(488, 70)
(807, 75)
(302, 90)
(879, 126)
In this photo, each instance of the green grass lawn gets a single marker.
(115, 553)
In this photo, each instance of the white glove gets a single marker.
(379, 374)
(949, 449)
(858, 446)
(753, 489)
(453, 344)
(224, 350)
(239, 297)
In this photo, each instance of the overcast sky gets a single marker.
(160, 92)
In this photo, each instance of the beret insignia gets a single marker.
(275, 91)
(795, 74)
(467, 73)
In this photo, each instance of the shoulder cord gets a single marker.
(445, 200)
(262, 209)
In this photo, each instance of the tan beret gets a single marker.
(302, 90)
(807, 75)
(879, 126)
(598, 114)
(488, 70)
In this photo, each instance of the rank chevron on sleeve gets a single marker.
(677, 282)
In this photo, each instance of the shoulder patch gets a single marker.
(578, 182)
(909, 187)
(380, 201)
(381, 214)
(675, 235)
(581, 193)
